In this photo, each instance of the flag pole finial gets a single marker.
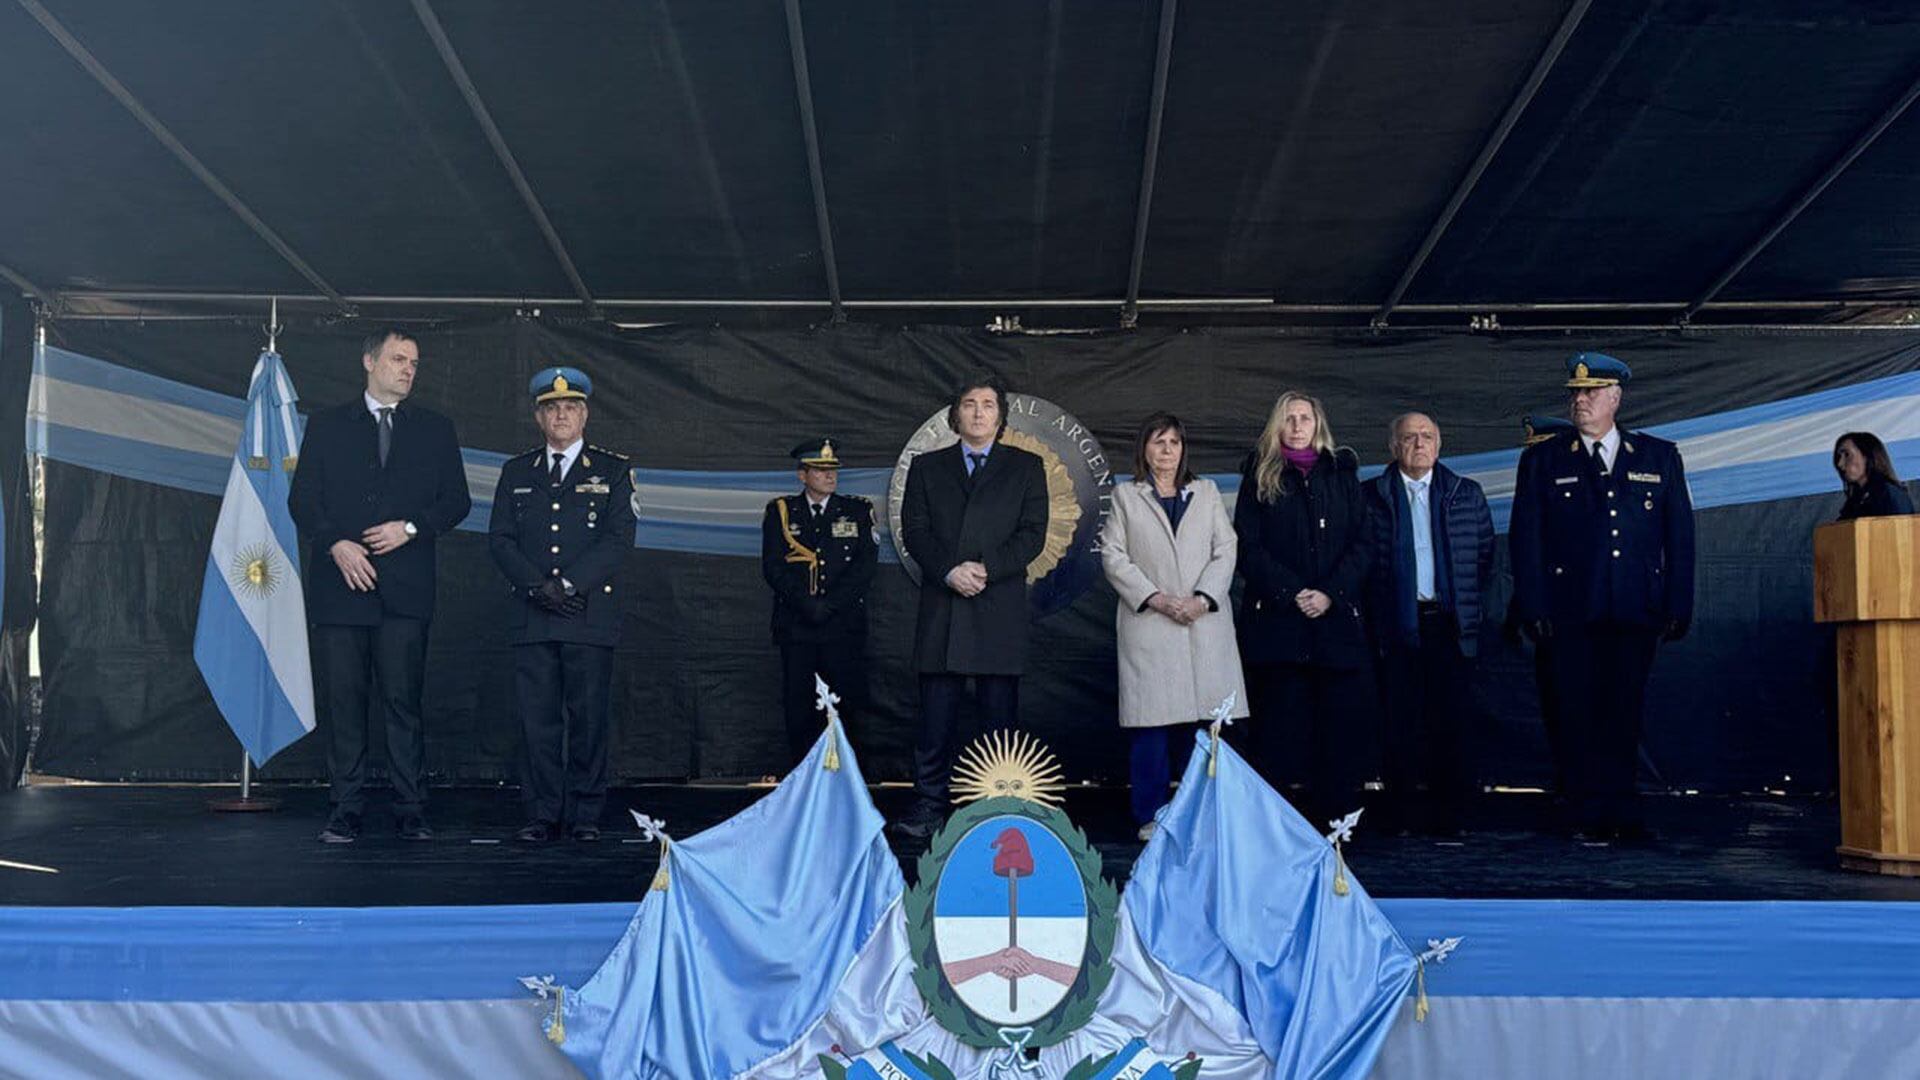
(825, 700)
(1222, 717)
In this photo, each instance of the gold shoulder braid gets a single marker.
(798, 552)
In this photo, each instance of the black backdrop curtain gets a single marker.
(17, 601)
(1737, 706)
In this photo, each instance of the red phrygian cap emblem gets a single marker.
(1013, 857)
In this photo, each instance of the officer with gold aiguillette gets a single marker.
(562, 525)
(818, 553)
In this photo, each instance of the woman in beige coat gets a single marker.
(1168, 548)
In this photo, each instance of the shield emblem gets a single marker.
(1010, 920)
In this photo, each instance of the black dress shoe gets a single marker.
(585, 833)
(342, 828)
(415, 827)
(535, 832)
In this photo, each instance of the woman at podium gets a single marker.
(1866, 472)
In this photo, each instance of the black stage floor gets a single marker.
(146, 845)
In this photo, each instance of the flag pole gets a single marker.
(246, 803)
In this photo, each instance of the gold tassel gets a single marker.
(660, 875)
(256, 462)
(557, 1031)
(1420, 1008)
(831, 759)
(290, 462)
(1339, 871)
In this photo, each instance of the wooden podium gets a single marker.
(1866, 576)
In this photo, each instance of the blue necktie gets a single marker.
(975, 459)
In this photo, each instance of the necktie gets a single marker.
(1599, 459)
(558, 470)
(975, 459)
(386, 433)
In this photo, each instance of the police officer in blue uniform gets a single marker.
(818, 554)
(1603, 558)
(562, 525)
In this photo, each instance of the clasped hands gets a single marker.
(1184, 610)
(552, 597)
(1312, 602)
(351, 556)
(969, 578)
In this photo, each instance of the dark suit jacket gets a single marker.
(842, 541)
(580, 531)
(1593, 547)
(998, 517)
(340, 488)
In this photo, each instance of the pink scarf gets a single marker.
(1301, 459)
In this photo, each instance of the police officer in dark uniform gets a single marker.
(562, 525)
(1603, 557)
(817, 552)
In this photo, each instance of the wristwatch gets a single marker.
(412, 529)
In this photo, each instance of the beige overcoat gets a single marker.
(1169, 673)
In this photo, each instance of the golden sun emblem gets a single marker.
(1009, 764)
(1063, 506)
(257, 569)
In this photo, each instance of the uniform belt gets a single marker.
(1429, 608)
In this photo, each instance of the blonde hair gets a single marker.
(1270, 468)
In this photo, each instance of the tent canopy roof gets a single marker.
(992, 150)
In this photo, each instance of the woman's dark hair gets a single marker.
(1149, 428)
(1879, 462)
(983, 380)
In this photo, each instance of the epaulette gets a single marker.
(531, 455)
(610, 453)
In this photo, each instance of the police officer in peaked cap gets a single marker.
(562, 525)
(818, 553)
(1603, 565)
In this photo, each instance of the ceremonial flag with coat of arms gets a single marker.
(251, 638)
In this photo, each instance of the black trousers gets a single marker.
(1319, 717)
(1556, 732)
(1428, 692)
(998, 699)
(1599, 692)
(562, 689)
(843, 663)
(350, 661)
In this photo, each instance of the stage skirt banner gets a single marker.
(1575, 989)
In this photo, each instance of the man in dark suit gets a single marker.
(1602, 543)
(562, 525)
(379, 481)
(973, 516)
(1431, 535)
(817, 554)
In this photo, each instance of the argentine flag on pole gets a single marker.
(251, 640)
